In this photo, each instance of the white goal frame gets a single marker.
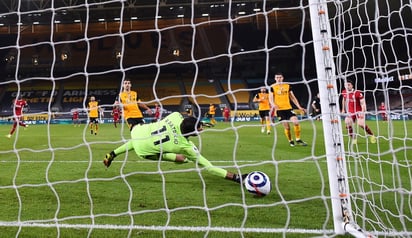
(332, 126)
(331, 116)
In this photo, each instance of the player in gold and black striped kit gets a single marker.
(130, 105)
(264, 109)
(93, 108)
(282, 96)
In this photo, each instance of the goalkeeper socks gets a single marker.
(236, 178)
(239, 178)
(112, 155)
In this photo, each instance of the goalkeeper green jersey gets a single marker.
(163, 137)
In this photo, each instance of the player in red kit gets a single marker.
(156, 113)
(116, 114)
(18, 106)
(354, 104)
(226, 114)
(75, 117)
(382, 110)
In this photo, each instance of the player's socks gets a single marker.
(239, 178)
(268, 127)
(288, 135)
(350, 130)
(13, 129)
(296, 129)
(368, 130)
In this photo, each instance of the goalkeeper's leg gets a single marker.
(238, 178)
(223, 173)
(171, 157)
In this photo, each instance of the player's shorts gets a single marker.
(285, 114)
(94, 120)
(264, 113)
(18, 118)
(131, 122)
(353, 116)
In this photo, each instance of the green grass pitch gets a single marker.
(54, 175)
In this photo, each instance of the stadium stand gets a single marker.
(165, 90)
(205, 92)
(238, 92)
(214, 42)
(104, 88)
(38, 93)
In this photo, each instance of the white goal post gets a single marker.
(334, 143)
(331, 71)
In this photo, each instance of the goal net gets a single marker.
(184, 56)
(363, 36)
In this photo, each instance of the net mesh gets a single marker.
(185, 55)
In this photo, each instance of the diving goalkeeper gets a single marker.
(168, 139)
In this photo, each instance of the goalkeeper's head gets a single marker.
(191, 126)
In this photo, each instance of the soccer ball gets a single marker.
(258, 183)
